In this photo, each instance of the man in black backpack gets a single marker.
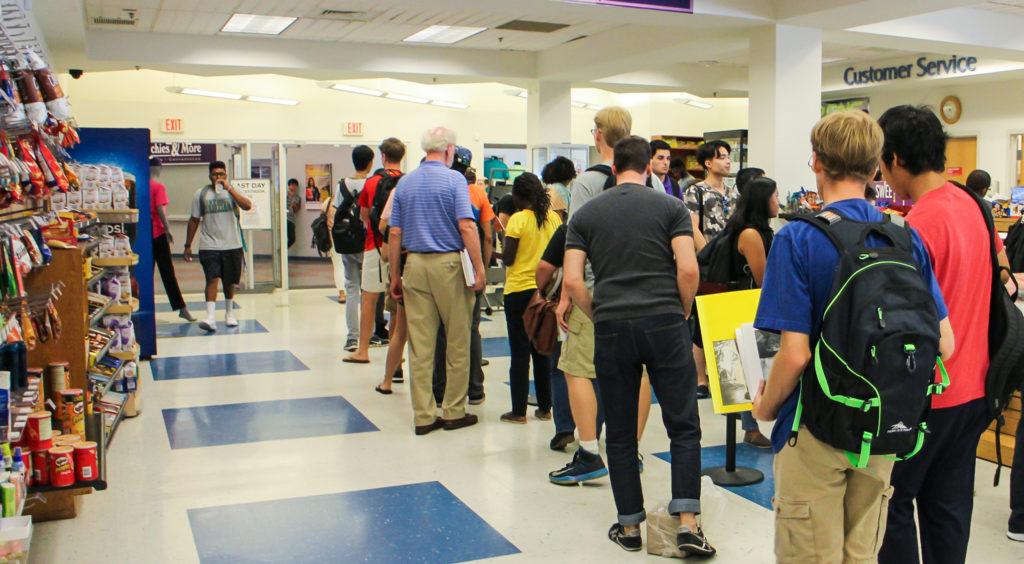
(830, 506)
(350, 264)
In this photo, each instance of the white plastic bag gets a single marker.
(662, 526)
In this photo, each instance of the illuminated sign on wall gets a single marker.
(683, 6)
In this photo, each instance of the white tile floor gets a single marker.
(496, 469)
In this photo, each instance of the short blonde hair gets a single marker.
(848, 145)
(437, 139)
(614, 123)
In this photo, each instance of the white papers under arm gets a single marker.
(467, 268)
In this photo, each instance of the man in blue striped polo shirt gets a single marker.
(432, 218)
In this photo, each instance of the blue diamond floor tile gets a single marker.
(495, 347)
(409, 523)
(174, 330)
(746, 455)
(234, 423)
(229, 364)
(197, 308)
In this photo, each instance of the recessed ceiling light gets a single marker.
(253, 23)
(278, 101)
(357, 90)
(446, 34)
(454, 105)
(404, 98)
(210, 94)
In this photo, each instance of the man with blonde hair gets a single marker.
(827, 508)
(431, 217)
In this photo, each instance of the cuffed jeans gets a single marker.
(353, 267)
(621, 350)
(522, 351)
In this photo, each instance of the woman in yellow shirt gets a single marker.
(526, 237)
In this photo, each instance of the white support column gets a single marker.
(785, 102)
(281, 245)
(549, 116)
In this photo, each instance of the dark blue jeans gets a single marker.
(522, 352)
(1017, 483)
(621, 350)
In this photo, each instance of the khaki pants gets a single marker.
(826, 511)
(435, 293)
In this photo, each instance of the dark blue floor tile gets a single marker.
(198, 309)
(746, 455)
(409, 523)
(173, 330)
(229, 364)
(233, 423)
(496, 346)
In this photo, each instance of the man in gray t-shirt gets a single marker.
(215, 215)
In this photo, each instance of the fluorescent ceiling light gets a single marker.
(523, 94)
(454, 105)
(357, 90)
(278, 101)
(593, 107)
(699, 104)
(579, 104)
(210, 94)
(404, 98)
(252, 23)
(446, 34)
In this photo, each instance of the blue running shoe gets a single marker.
(584, 466)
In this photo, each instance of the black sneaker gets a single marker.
(585, 466)
(351, 345)
(399, 376)
(562, 440)
(693, 544)
(477, 400)
(377, 341)
(632, 543)
(703, 392)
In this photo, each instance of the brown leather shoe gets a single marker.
(465, 421)
(424, 429)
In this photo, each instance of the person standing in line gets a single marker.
(373, 283)
(611, 125)
(163, 239)
(979, 181)
(293, 203)
(526, 237)
(557, 176)
(641, 325)
(348, 268)
(713, 202)
(432, 219)
(745, 175)
(939, 480)
(215, 210)
(661, 159)
(826, 508)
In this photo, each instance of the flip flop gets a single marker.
(351, 360)
(382, 391)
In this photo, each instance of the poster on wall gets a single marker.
(129, 149)
(318, 185)
(258, 191)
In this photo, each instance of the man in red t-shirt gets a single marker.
(940, 478)
(374, 277)
(162, 240)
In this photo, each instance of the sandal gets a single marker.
(382, 390)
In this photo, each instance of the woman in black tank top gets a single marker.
(751, 231)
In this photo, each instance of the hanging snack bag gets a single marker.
(53, 95)
(31, 96)
(14, 110)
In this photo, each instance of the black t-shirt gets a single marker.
(505, 205)
(555, 251)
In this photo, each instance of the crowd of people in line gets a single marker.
(615, 247)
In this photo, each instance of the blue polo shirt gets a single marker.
(429, 202)
(798, 284)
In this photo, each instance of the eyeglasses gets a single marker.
(593, 131)
(810, 161)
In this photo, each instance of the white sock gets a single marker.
(590, 446)
(229, 305)
(211, 308)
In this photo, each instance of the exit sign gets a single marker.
(354, 129)
(172, 125)
(955, 171)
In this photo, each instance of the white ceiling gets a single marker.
(1004, 6)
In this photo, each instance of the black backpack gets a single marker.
(610, 180)
(385, 185)
(349, 233)
(715, 260)
(1015, 247)
(321, 235)
(868, 388)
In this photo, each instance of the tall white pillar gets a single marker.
(785, 102)
(549, 116)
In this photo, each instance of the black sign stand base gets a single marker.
(730, 474)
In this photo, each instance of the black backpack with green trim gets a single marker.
(868, 388)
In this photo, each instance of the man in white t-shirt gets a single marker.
(348, 268)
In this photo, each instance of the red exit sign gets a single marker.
(354, 129)
(172, 125)
(955, 171)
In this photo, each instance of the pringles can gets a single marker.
(39, 432)
(62, 466)
(86, 467)
(41, 468)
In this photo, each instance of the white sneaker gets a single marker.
(209, 325)
(1019, 537)
(230, 321)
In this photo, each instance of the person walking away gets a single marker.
(527, 235)
(641, 325)
(979, 181)
(713, 202)
(431, 217)
(661, 159)
(940, 479)
(373, 282)
(215, 215)
(163, 239)
(827, 508)
(611, 125)
(293, 203)
(348, 267)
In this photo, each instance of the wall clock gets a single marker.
(950, 109)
